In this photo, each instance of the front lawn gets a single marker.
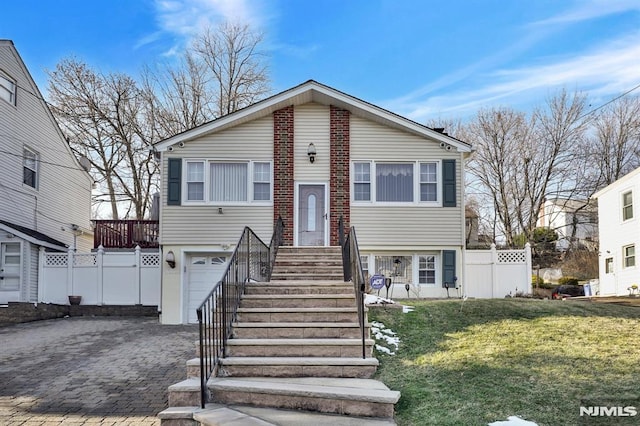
(478, 361)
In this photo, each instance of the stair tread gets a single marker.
(299, 296)
(302, 283)
(292, 342)
(341, 388)
(298, 361)
(295, 310)
(298, 324)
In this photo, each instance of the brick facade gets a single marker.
(283, 185)
(339, 191)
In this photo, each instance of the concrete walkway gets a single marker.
(109, 371)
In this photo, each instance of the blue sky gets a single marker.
(422, 59)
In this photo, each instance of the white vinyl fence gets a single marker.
(497, 273)
(101, 278)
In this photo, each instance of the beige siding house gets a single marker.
(45, 194)
(397, 182)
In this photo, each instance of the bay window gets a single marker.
(232, 182)
(402, 182)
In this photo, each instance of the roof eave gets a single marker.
(312, 91)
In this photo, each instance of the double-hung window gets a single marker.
(30, 168)
(428, 182)
(261, 181)
(398, 182)
(629, 253)
(362, 181)
(7, 88)
(627, 205)
(427, 269)
(195, 180)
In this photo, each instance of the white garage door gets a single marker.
(204, 272)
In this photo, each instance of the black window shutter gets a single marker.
(448, 183)
(173, 182)
(448, 268)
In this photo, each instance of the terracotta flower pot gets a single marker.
(75, 300)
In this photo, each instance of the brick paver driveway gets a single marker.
(111, 371)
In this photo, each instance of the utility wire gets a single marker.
(43, 162)
(609, 102)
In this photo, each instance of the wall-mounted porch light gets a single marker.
(170, 258)
(311, 152)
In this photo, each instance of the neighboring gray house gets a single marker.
(312, 154)
(45, 194)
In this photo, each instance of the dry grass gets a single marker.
(484, 360)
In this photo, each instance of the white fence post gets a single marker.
(70, 273)
(494, 270)
(138, 266)
(100, 274)
(527, 253)
(41, 278)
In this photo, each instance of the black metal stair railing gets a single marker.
(352, 269)
(252, 261)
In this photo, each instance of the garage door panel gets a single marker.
(203, 273)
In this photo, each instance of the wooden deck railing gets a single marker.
(126, 233)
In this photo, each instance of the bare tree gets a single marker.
(113, 120)
(232, 57)
(498, 135)
(520, 160)
(101, 116)
(615, 145)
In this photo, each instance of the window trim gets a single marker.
(608, 265)
(36, 171)
(625, 206)
(416, 183)
(435, 269)
(187, 181)
(12, 91)
(626, 257)
(207, 183)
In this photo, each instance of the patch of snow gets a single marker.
(513, 421)
(385, 350)
(386, 337)
(372, 299)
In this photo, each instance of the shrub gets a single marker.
(536, 281)
(568, 281)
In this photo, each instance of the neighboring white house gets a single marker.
(399, 183)
(45, 194)
(619, 234)
(575, 222)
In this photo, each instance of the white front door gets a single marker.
(10, 268)
(204, 271)
(312, 215)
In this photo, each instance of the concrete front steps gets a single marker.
(296, 345)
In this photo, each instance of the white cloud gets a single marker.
(606, 70)
(185, 18)
(592, 9)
